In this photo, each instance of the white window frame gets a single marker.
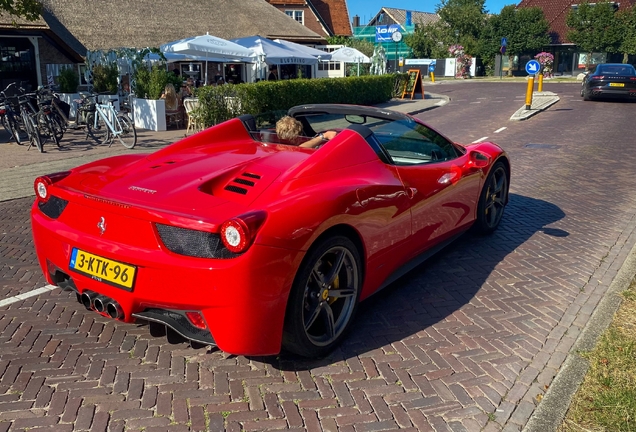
(295, 14)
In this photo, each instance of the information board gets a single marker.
(413, 84)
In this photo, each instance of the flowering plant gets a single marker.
(546, 60)
(456, 50)
(462, 60)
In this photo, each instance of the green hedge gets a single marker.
(224, 102)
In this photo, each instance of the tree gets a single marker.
(30, 10)
(594, 28)
(525, 29)
(627, 21)
(430, 41)
(466, 19)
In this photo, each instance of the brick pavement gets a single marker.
(467, 342)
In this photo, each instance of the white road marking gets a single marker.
(500, 97)
(501, 129)
(475, 102)
(26, 295)
(482, 98)
(479, 140)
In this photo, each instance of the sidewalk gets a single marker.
(19, 167)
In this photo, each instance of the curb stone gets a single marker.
(552, 410)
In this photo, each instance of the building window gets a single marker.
(298, 15)
(328, 65)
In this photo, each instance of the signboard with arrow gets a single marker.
(533, 67)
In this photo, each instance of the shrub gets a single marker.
(68, 80)
(151, 83)
(221, 103)
(105, 78)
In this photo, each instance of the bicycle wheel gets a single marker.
(15, 128)
(34, 134)
(128, 136)
(7, 126)
(99, 132)
(46, 127)
(56, 127)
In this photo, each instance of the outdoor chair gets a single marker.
(173, 113)
(195, 120)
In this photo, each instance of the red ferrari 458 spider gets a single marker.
(233, 238)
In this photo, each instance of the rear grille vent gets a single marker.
(236, 189)
(250, 175)
(54, 207)
(189, 242)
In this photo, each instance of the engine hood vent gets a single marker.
(243, 183)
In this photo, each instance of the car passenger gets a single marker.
(290, 129)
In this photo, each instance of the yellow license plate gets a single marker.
(102, 269)
(617, 84)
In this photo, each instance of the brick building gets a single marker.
(567, 59)
(325, 17)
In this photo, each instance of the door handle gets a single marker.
(411, 191)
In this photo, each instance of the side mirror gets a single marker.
(478, 160)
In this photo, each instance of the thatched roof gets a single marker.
(101, 25)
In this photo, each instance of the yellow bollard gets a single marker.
(529, 92)
(540, 85)
(432, 76)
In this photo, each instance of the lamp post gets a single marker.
(456, 43)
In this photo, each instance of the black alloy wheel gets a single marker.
(493, 199)
(324, 297)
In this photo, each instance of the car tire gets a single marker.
(493, 199)
(324, 297)
(586, 95)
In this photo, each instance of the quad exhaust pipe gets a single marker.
(101, 304)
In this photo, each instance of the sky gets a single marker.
(367, 9)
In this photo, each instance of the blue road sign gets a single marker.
(504, 42)
(431, 66)
(532, 67)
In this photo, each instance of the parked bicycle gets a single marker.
(104, 124)
(29, 122)
(60, 110)
(47, 126)
(9, 117)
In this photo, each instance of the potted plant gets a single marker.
(105, 81)
(149, 85)
(68, 81)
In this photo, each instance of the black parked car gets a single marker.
(610, 80)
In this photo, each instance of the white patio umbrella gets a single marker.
(274, 53)
(322, 55)
(350, 55)
(211, 47)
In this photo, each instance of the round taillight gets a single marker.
(42, 183)
(234, 235)
(41, 188)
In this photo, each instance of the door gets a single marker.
(442, 188)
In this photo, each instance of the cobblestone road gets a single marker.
(468, 342)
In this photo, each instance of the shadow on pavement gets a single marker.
(436, 289)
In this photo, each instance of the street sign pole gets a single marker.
(532, 68)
